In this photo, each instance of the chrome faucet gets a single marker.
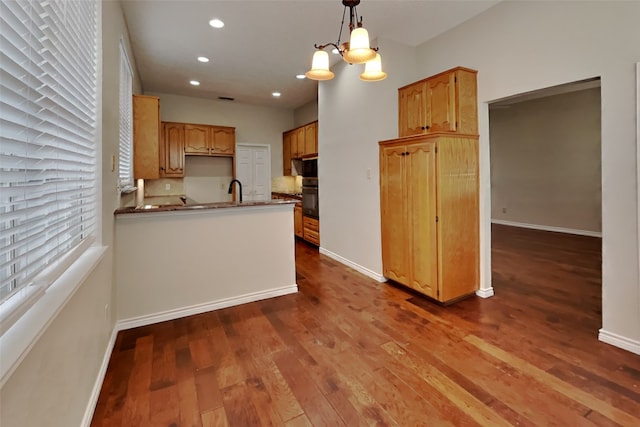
(231, 187)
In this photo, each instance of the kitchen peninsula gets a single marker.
(178, 260)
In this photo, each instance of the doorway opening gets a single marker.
(546, 207)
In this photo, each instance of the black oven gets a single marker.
(310, 167)
(310, 205)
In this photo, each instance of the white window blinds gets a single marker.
(125, 158)
(48, 68)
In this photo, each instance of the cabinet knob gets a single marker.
(425, 127)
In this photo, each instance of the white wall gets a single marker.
(54, 383)
(352, 117)
(306, 113)
(545, 162)
(516, 47)
(207, 178)
(254, 124)
(177, 263)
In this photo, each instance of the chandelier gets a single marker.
(355, 51)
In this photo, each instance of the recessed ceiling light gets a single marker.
(203, 59)
(301, 76)
(216, 23)
(194, 83)
(276, 94)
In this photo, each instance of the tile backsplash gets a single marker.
(164, 187)
(286, 184)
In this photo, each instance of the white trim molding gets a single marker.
(135, 322)
(548, 228)
(97, 386)
(351, 264)
(619, 341)
(485, 293)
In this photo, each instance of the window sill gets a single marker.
(127, 189)
(16, 342)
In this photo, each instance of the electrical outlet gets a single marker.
(369, 173)
(504, 210)
(167, 187)
(113, 163)
(106, 312)
(222, 185)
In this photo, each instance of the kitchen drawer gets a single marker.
(312, 236)
(311, 224)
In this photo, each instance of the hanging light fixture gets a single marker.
(356, 51)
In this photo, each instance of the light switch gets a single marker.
(368, 173)
(113, 163)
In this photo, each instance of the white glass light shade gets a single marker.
(373, 70)
(320, 67)
(359, 50)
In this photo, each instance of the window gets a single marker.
(48, 108)
(125, 158)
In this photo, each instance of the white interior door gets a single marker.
(253, 169)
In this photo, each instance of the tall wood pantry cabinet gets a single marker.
(429, 213)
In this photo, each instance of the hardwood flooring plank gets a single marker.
(347, 350)
(215, 418)
(460, 397)
(555, 383)
(240, 411)
(311, 399)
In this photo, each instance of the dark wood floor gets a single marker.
(349, 351)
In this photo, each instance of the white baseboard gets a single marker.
(619, 341)
(357, 267)
(485, 293)
(204, 307)
(97, 386)
(548, 228)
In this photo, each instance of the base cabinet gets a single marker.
(311, 230)
(429, 214)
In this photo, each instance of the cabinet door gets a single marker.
(172, 151)
(286, 154)
(297, 221)
(196, 139)
(311, 138)
(393, 206)
(294, 144)
(146, 137)
(301, 141)
(441, 98)
(420, 172)
(223, 140)
(412, 110)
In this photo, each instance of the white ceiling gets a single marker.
(265, 43)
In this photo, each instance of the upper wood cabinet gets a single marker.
(209, 140)
(286, 154)
(311, 138)
(429, 214)
(196, 139)
(223, 140)
(446, 102)
(146, 137)
(172, 150)
(297, 143)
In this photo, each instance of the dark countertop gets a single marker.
(202, 206)
(295, 196)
